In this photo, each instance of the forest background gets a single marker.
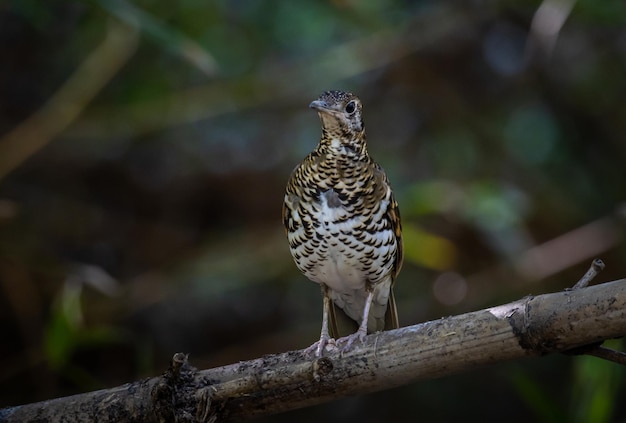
(145, 146)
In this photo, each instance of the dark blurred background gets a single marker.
(145, 145)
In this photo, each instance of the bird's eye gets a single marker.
(350, 107)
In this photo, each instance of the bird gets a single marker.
(343, 224)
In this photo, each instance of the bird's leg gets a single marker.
(325, 338)
(362, 331)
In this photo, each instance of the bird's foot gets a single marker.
(325, 343)
(345, 343)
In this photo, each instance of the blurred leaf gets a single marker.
(497, 211)
(164, 34)
(438, 196)
(531, 134)
(426, 249)
(60, 340)
(545, 407)
(66, 330)
(609, 12)
(494, 207)
(594, 389)
(61, 336)
(32, 11)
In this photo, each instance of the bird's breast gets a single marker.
(349, 246)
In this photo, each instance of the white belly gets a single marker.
(348, 256)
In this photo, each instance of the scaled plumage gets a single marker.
(343, 222)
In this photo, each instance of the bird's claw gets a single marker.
(345, 343)
(324, 344)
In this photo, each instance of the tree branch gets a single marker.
(532, 326)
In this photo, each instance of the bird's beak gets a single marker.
(319, 105)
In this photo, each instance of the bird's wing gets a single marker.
(392, 214)
(289, 197)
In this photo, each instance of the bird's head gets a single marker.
(340, 113)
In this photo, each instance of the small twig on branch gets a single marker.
(532, 326)
(618, 357)
(597, 350)
(596, 267)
